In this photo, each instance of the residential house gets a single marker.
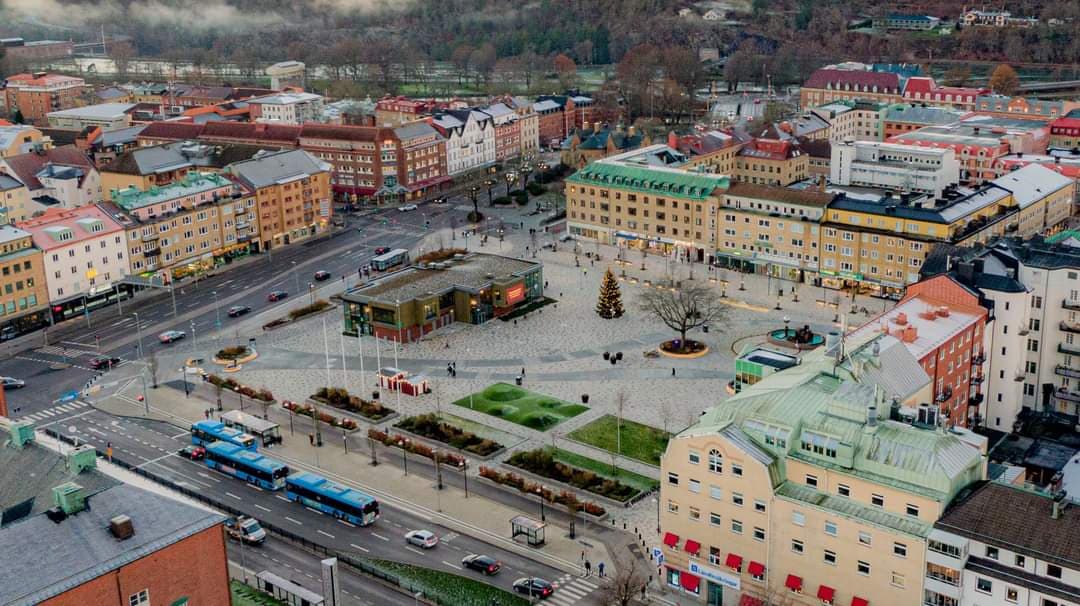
(286, 108)
(906, 22)
(598, 141)
(19, 139)
(156, 166)
(292, 193)
(61, 177)
(470, 139)
(830, 84)
(507, 131)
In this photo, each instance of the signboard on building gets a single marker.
(515, 293)
(715, 575)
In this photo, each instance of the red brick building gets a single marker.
(560, 114)
(830, 84)
(942, 324)
(923, 89)
(37, 94)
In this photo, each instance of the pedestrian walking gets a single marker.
(644, 587)
(582, 555)
(455, 365)
(673, 372)
(600, 569)
(449, 370)
(311, 438)
(523, 371)
(588, 568)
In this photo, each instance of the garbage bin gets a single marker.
(517, 379)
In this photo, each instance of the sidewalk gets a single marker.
(475, 515)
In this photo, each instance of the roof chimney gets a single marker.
(910, 334)
(121, 527)
(901, 319)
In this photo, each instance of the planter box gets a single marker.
(607, 502)
(444, 446)
(312, 419)
(557, 506)
(353, 415)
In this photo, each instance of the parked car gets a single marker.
(99, 362)
(534, 587)
(12, 383)
(277, 295)
(565, 238)
(485, 564)
(322, 275)
(238, 310)
(192, 452)
(245, 529)
(407, 208)
(171, 335)
(422, 538)
(381, 250)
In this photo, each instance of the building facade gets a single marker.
(287, 108)
(507, 131)
(924, 90)
(292, 195)
(35, 95)
(893, 167)
(905, 22)
(1064, 133)
(24, 295)
(156, 166)
(421, 160)
(59, 177)
(470, 140)
(15, 202)
(901, 118)
(106, 116)
(771, 162)
(18, 139)
(830, 84)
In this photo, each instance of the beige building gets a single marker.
(857, 119)
(14, 200)
(771, 162)
(292, 190)
(813, 486)
(18, 139)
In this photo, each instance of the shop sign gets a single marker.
(515, 293)
(715, 575)
(627, 235)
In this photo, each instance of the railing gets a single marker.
(1069, 348)
(1073, 304)
(975, 400)
(977, 380)
(1068, 396)
(1067, 327)
(978, 359)
(945, 394)
(1065, 371)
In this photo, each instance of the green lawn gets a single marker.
(521, 406)
(602, 469)
(246, 595)
(641, 442)
(450, 589)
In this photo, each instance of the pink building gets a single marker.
(923, 89)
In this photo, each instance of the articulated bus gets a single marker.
(331, 498)
(393, 258)
(248, 466)
(204, 433)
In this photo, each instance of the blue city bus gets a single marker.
(248, 466)
(207, 432)
(329, 497)
(390, 259)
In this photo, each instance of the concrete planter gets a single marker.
(312, 419)
(607, 502)
(444, 446)
(557, 506)
(352, 415)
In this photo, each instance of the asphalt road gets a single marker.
(111, 332)
(152, 446)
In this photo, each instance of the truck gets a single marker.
(246, 529)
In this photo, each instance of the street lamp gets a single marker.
(540, 493)
(138, 331)
(296, 277)
(542, 166)
(510, 178)
(311, 292)
(473, 191)
(404, 454)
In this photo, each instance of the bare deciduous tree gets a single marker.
(152, 368)
(683, 309)
(626, 584)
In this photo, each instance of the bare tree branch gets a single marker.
(683, 309)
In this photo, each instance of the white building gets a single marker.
(1002, 545)
(892, 166)
(286, 73)
(62, 177)
(107, 116)
(470, 139)
(287, 108)
(84, 250)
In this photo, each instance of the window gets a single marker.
(811, 480)
(843, 490)
(899, 550)
(139, 599)
(830, 528)
(865, 538)
(694, 486)
(673, 578)
(897, 579)
(673, 478)
(715, 492)
(672, 507)
(877, 500)
(1020, 561)
(796, 546)
(992, 552)
(695, 514)
(736, 469)
(1053, 570)
(830, 557)
(737, 498)
(943, 548)
(714, 518)
(912, 510)
(736, 527)
(984, 585)
(695, 458)
(1012, 595)
(862, 567)
(716, 462)
(714, 556)
(798, 518)
(759, 506)
(759, 534)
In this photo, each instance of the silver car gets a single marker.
(424, 539)
(12, 382)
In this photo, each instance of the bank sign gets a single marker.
(715, 575)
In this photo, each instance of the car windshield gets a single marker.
(250, 525)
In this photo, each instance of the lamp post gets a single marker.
(490, 184)
(542, 166)
(217, 316)
(540, 493)
(311, 292)
(138, 331)
(465, 472)
(510, 178)
(404, 455)
(296, 277)
(473, 191)
(374, 457)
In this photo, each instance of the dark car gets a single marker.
(381, 250)
(238, 310)
(322, 275)
(485, 564)
(100, 362)
(195, 453)
(277, 295)
(534, 587)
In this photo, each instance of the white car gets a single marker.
(407, 208)
(422, 538)
(12, 383)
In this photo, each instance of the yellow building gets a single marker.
(771, 162)
(292, 191)
(18, 139)
(159, 165)
(24, 295)
(1045, 198)
(812, 487)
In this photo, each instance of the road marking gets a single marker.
(313, 510)
(179, 435)
(414, 550)
(451, 565)
(297, 522)
(347, 523)
(209, 477)
(325, 534)
(262, 508)
(286, 499)
(234, 496)
(155, 461)
(379, 536)
(363, 549)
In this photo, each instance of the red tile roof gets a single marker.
(27, 166)
(246, 131)
(919, 84)
(885, 81)
(346, 132)
(172, 130)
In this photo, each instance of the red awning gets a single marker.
(671, 539)
(733, 561)
(689, 581)
(749, 600)
(756, 569)
(692, 546)
(793, 583)
(826, 593)
(857, 601)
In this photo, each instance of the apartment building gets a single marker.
(142, 168)
(1043, 196)
(923, 89)
(106, 116)
(470, 140)
(421, 162)
(1063, 162)
(287, 108)
(85, 256)
(58, 177)
(900, 118)
(24, 296)
(15, 202)
(1064, 133)
(18, 139)
(712, 151)
(771, 160)
(819, 484)
(858, 119)
(1023, 108)
(830, 84)
(189, 226)
(906, 22)
(507, 131)
(1001, 544)
(528, 123)
(893, 167)
(35, 95)
(598, 141)
(292, 194)
(395, 111)
(943, 326)
(980, 142)
(559, 114)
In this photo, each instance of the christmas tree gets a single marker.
(610, 303)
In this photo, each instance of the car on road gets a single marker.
(245, 529)
(171, 335)
(485, 564)
(12, 383)
(407, 208)
(192, 452)
(99, 362)
(238, 310)
(277, 295)
(534, 587)
(422, 538)
(322, 275)
(382, 250)
(565, 238)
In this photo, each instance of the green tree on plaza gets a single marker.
(609, 306)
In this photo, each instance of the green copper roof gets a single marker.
(131, 198)
(665, 182)
(1062, 235)
(853, 509)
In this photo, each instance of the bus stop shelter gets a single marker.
(287, 591)
(265, 431)
(532, 530)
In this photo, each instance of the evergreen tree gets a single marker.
(610, 303)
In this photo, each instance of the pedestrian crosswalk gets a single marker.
(68, 352)
(570, 590)
(55, 412)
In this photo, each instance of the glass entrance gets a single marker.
(715, 596)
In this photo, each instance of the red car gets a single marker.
(195, 453)
(104, 362)
(382, 250)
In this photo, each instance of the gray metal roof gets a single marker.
(415, 129)
(10, 232)
(278, 167)
(101, 111)
(31, 473)
(7, 182)
(1032, 183)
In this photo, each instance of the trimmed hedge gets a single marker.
(541, 462)
(401, 441)
(309, 411)
(307, 310)
(264, 395)
(340, 398)
(430, 426)
(563, 497)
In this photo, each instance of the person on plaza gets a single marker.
(588, 568)
(600, 569)
(523, 371)
(673, 371)
(311, 438)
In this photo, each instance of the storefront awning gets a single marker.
(692, 547)
(826, 594)
(793, 582)
(689, 581)
(627, 235)
(671, 539)
(857, 601)
(749, 600)
(756, 569)
(733, 561)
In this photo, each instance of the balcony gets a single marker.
(945, 395)
(975, 400)
(151, 252)
(1065, 371)
(977, 380)
(978, 359)
(1067, 395)
(151, 236)
(1073, 304)
(1067, 327)
(1069, 348)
